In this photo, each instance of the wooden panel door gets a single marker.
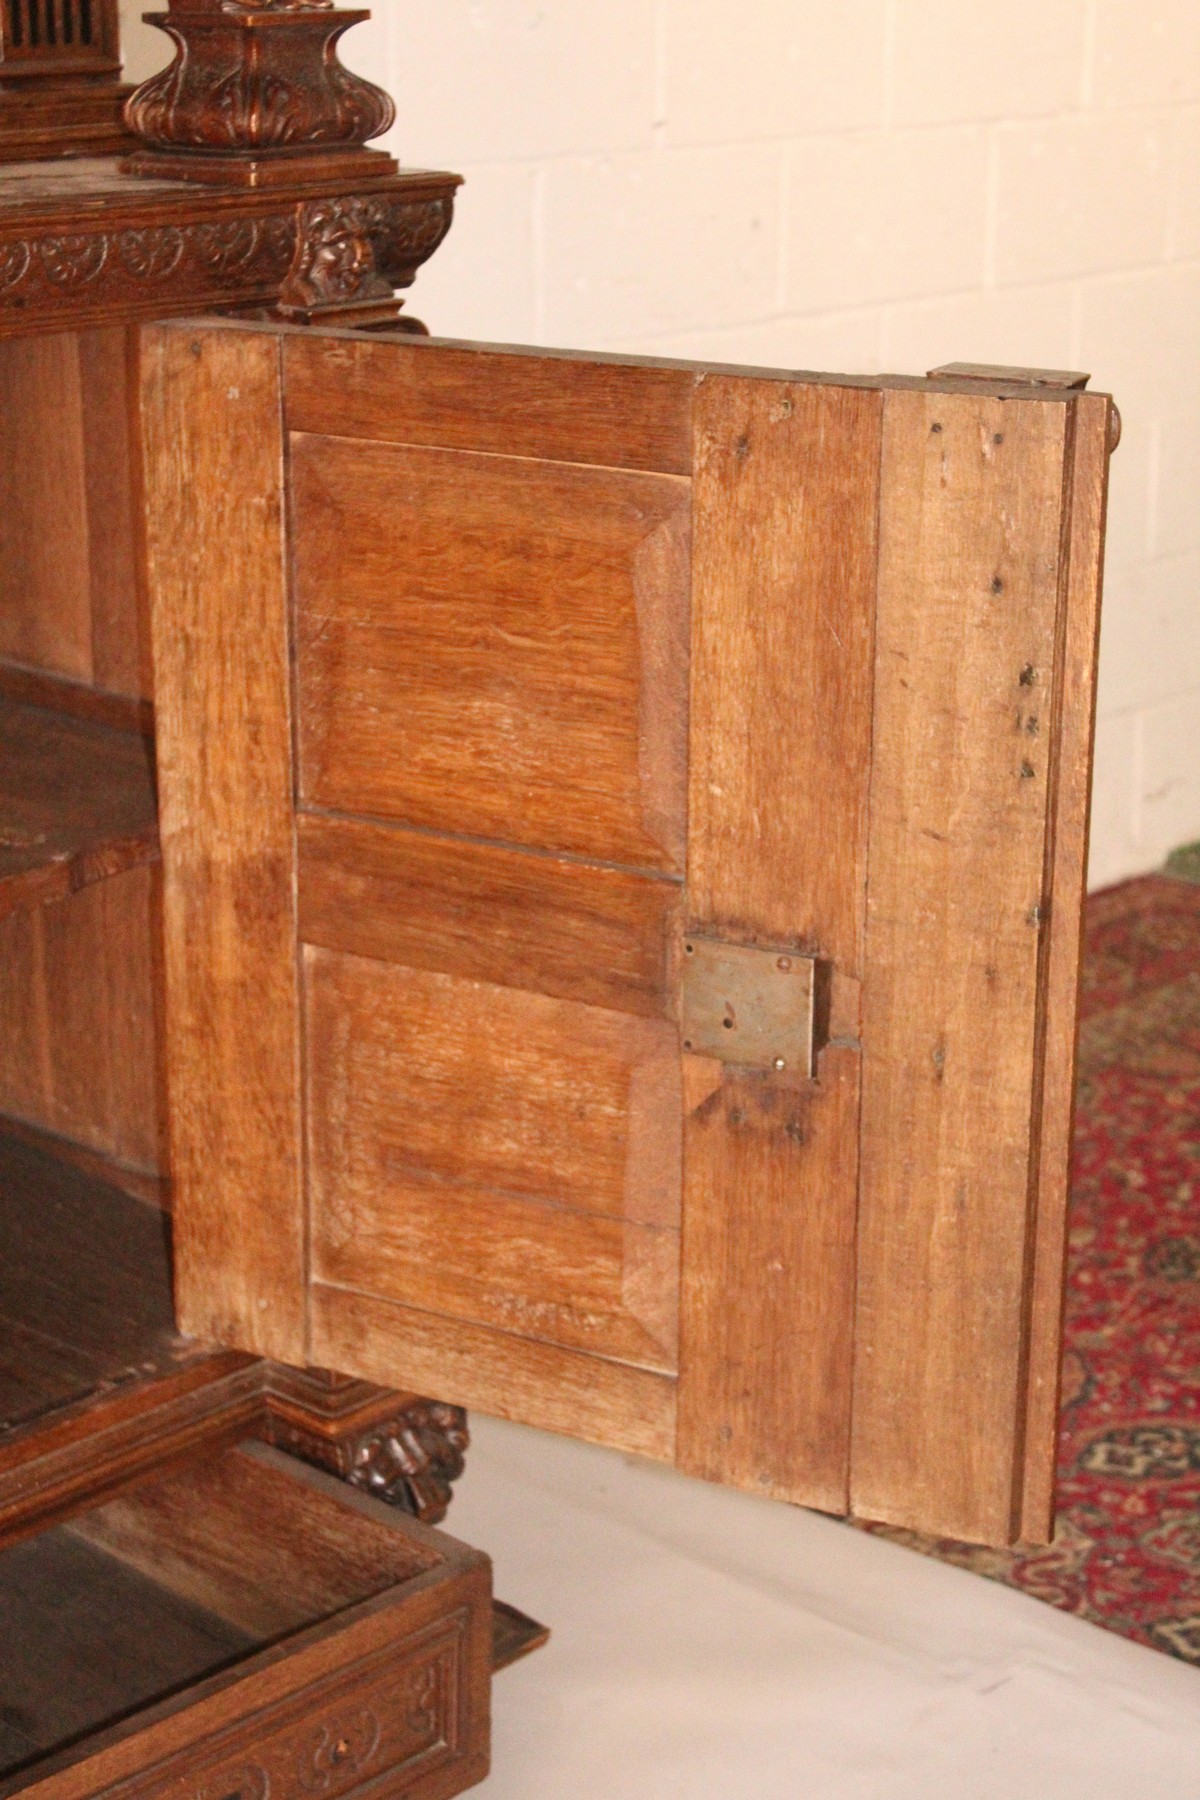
(624, 837)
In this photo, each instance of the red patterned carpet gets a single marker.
(1127, 1551)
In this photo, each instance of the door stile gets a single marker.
(966, 685)
(1085, 488)
(213, 425)
(784, 520)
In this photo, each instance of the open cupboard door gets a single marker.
(624, 831)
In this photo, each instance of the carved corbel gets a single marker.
(256, 96)
(401, 1448)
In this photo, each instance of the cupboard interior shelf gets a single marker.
(77, 803)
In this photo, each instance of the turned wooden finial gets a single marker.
(256, 96)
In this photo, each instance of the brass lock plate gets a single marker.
(749, 1006)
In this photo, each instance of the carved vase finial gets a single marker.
(256, 96)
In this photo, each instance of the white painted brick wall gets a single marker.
(861, 185)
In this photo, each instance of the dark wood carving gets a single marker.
(256, 85)
(86, 245)
(399, 1447)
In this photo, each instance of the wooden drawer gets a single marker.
(246, 1629)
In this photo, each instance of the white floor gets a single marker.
(719, 1647)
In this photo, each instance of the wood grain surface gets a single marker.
(495, 1155)
(786, 490)
(600, 936)
(965, 694)
(77, 804)
(514, 1378)
(1070, 775)
(509, 403)
(504, 654)
(80, 1023)
(214, 480)
(211, 1534)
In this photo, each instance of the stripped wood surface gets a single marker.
(554, 703)
(555, 408)
(504, 654)
(601, 936)
(1081, 577)
(786, 497)
(214, 455)
(965, 694)
(564, 1390)
(495, 1155)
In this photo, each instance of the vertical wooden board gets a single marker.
(965, 691)
(112, 487)
(214, 486)
(785, 487)
(785, 499)
(1066, 883)
(45, 584)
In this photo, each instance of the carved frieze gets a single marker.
(328, 252)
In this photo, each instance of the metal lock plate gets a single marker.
(748, 1006)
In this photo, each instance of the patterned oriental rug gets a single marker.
(1127, 1549)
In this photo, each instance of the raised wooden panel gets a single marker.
(966, 690)
(786, 489)
(604, 937)
(502, 654)
(515, 1378)
(495, 1155)
(214, 472)
(531, 403)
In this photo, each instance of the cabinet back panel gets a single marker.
(80, 1052)
(72, 597)
(501, 651)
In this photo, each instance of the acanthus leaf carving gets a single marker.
(234, 87)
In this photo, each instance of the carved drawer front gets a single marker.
(246, 1629)
(383, 1721)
